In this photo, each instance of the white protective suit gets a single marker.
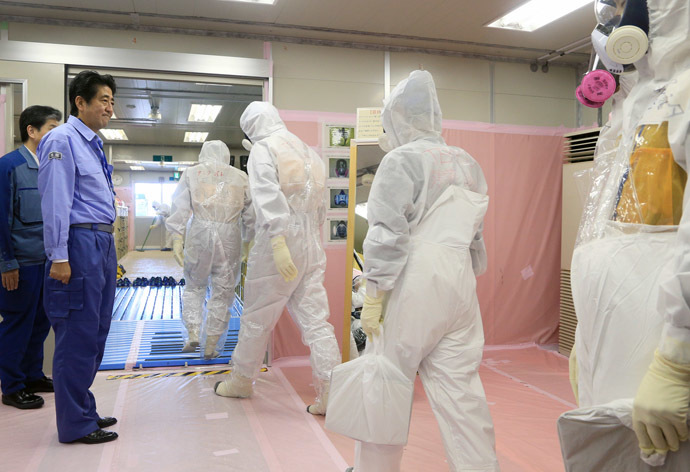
(623, 305)
(287, 184)
(162, 214)
(631, 266)
(425, 213)
(212, 206)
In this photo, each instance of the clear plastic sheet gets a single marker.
(210, 204)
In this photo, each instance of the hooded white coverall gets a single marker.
(287, 184)
(162, 214)
(631, 266)
(644, 288)
(425, 245)
(212, 208)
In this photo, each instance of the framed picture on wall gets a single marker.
(337, 229)
(339, 136)
(338, 167)
(338, 198)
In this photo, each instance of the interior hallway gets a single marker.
(151, 263)
(179, 424)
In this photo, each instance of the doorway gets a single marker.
(156, 133)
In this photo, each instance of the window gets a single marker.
(147, 193)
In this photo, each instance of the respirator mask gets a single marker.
(619, 40)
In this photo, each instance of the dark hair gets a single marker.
(36, 116)
(86, 85)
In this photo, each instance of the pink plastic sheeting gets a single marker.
(176, 424)
(527, 389)
(519, 294)
(179, 424)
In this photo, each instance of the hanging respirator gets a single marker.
(619, 40)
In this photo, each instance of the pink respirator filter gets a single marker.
(598, 85)
(586, 101)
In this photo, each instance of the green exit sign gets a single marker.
(161, 158)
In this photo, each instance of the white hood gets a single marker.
(669, 28)
(215, 151)
(260, 120)
(412, 111)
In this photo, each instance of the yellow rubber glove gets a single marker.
(660, 409)
(572, 366)
(246, 247)
(178, 249)
(372, 314)
(282, 258)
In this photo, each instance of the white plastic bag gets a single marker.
(370, 398)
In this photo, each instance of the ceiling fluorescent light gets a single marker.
(114, 134)
(262, 2)
(204, 113)
(137, 167)
(537, 13)
(194, 137)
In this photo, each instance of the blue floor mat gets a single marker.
(152, 315)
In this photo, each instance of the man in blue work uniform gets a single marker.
(23, 322)
(77, 202)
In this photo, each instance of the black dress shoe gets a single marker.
(97, 437)
(42, 385)
(106, 421)
(23, 400)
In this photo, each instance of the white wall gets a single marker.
(462, 85)
(319, 78)
(45, 84)
(136, 40)
(326, 79)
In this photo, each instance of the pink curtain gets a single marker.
(519, 293)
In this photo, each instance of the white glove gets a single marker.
(283, 259)
(372, 314)
(178, 250)
(660, 409)
(246, 247)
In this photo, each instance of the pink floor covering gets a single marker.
(178, 424)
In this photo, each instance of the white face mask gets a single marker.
(385, 143)
(247, 144)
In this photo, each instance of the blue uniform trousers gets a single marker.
(23, 330)
(80, 313)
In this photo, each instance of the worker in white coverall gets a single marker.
(212, 208)
(422, 253)
(631, 267)
(162, 214)
(287, 262)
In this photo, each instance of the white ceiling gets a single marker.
(134, 98)
(440, 26)
(449, 27)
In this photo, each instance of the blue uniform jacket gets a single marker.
(75, 184)
(21, 225)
